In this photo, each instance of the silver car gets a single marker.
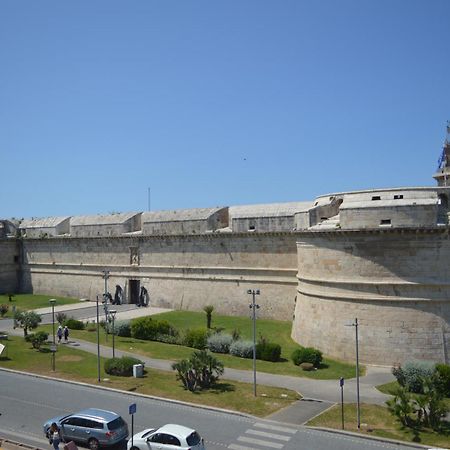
(94, 427)
(168, 437)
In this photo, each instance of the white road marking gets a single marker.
(269, 435)
(275, 427)
(260, 442)
(240, 447)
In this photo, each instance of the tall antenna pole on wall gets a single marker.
(149, 199)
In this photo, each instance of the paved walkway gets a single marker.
(318, 395)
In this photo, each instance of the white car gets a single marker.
(168, 437)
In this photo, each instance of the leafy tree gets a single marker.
(28, 320)
(208, 310)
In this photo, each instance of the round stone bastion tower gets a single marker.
(382, 257)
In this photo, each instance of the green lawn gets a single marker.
(74, 364)
(377, 421)
(273, 330)
(32, 301)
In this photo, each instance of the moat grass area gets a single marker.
(377, 421)
(32, 301)
(77, 365)
(391, 388)
(273, 330)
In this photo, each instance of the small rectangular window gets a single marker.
(385, 222)
(251, 228)
(398, 197)
(376, 197)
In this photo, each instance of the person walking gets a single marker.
(54, 436)
(59, 333)
(66, 334)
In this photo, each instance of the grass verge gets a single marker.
(32, 301)
(275, 330)
(77, 365)
(377, 421)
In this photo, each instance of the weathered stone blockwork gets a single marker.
(9, 265)
(395, 282)
(186, 272)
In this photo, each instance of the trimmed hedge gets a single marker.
(268, 351)
(122, 328)
(219, 343)
(148, 329)
(122, 367)
(307, 355)
(243, 349)
(196, 338)
(74, 324)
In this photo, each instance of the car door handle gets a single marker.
(88, 432)
(72, 429)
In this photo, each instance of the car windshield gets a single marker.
(116, 423)
(193, 439)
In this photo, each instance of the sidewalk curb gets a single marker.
(152, 397)
(374, 438)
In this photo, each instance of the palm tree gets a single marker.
(208, 310)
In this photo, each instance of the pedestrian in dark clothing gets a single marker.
(54, 436)
(66, 334)
(59, 334)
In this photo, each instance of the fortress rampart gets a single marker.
(9, 265)
(179, 271)
(396, 282)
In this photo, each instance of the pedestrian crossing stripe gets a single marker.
(260, 442)
(275, 427)
(269, 435)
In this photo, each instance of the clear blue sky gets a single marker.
(214, 103)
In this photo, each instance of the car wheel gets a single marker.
(93, 444)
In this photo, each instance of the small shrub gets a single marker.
(122, 367)
(414, 373)
(268, 351)
(307, 354)
(61, 317)
(443, 373)
(236, 334)
(3, 309)
(307, 366)
(219, 343)
(168, 339)
(37, 339)
(196, 338)
(91, 326)
(397, 371)
(74, 324)
(122, 328)
(243, 349)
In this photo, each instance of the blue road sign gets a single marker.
(132, 408)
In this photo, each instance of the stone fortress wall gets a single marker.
(179, 271)
(380, 256)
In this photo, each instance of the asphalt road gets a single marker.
(27, 401)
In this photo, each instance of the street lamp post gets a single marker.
(112, 315)
(253, 306)
(358, 408)
(98, 341)
(52, 301)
